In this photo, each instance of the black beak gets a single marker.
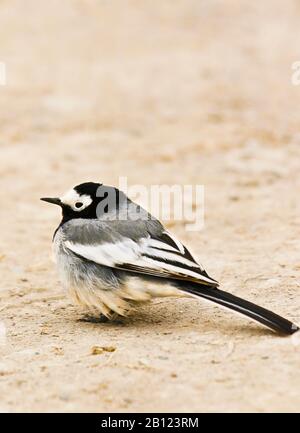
(52, 200)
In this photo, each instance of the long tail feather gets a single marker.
(266, 317)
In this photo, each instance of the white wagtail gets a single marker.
(112, 254)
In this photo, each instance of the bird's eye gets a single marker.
(78, 204)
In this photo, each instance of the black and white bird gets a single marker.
(112, 254)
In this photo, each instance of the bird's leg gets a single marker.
(94, 319)
(101, 318)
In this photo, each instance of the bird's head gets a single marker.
(83, 201)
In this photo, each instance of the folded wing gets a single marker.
(158, 254)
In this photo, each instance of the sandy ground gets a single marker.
(175, 92)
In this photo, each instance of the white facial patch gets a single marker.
(73, 199)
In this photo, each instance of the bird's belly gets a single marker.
(104, 290)
(91, 286)
(120, 300)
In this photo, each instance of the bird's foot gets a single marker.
(94, 319)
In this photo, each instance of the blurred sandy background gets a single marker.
(172, 91)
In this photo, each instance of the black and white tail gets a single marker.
(266, 317)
